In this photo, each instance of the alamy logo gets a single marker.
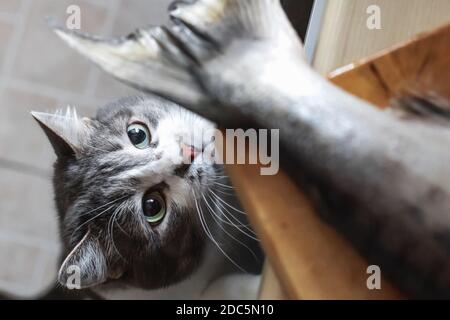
(73, 21)
(74, 277)
(236, 146)
(374, 280)
(374, 20)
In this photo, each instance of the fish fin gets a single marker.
(142, 59)
(222, 21)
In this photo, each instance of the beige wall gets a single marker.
(345, 37)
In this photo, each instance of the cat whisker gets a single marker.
(203, 221)
(227, 204)
(109, 231)
(217, 217)
(221, 207)
(219, 202)
(223, 185)
(224, 191)
(120, 227)
(237, 222)
(102, 206)
(109, 204)
(91, 219)
(251, 234)
(111, 222)
(206, 228)
(218, 178)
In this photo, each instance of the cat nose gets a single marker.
(189, 152)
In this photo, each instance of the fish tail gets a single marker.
(223, 19)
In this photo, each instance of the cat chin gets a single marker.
(213, 278)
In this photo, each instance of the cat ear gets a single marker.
(85, 266)
(64, 130)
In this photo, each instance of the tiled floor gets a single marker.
(38, 72)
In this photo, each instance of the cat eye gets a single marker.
(154, 207)
(139, 135)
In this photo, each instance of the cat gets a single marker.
(137, 221)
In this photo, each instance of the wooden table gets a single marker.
(307, 259)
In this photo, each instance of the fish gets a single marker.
(382, 181)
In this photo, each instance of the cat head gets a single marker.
(126, 188)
